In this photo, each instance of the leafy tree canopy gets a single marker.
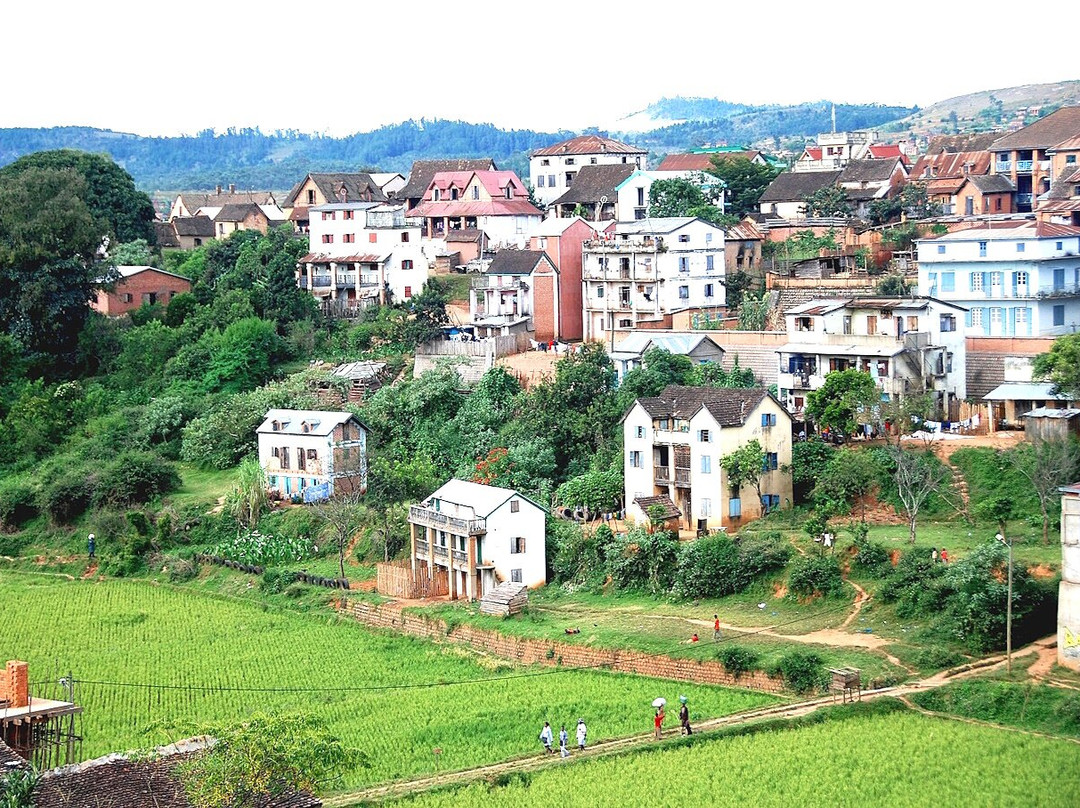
(681, 197)
(828, 201)
(745, 181)
(837, 403)
(1061, 365)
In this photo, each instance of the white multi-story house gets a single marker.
(363, 251)
(640, 272)
(313, 453)
(553, 168)
(675, 441)
(908, 346)
(1016, 278)
(519, 291)
(632, 200)
(481, 536)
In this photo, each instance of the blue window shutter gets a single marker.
(986, 283)
(764, 419)
(986, 319)
(1029, 315)
(967, 318)
(734, 507)
(1012, 321)
(764, 462)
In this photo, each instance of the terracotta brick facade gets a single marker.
(15, 684)
(549, 653)
(148, 286)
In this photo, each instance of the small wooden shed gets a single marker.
(505, 599)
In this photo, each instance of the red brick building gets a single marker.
(138, 286)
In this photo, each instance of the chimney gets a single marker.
(15, 684)
(219, 189)
(232, 188)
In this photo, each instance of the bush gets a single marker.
(815, 575)
(915, 585)
(738, 660)
(802, 671)
(275, 581)
(66, 496)
(642, 560)
(719, 565)
(135, 478)
(936, 657)
(178, 569)
(17, 502)
(872, 558)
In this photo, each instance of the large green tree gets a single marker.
(48, 270)
(839, 402)
(109, 191)
(681, 197)
(1061, 365)
(745, 181)
(828, 201)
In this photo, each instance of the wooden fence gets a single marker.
(396, 579)
(486, 346)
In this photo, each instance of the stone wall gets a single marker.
(552, 653)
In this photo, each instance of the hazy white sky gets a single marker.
(330, 66)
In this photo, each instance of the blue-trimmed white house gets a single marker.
(1017, 278)
(313, 454)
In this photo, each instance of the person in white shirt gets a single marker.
(546, 737)
(582, 731)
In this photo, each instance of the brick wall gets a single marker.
(549, 653)
(164, 286)
(15, 684)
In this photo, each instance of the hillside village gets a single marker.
(736, 432)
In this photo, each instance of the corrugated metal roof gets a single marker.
(1023, 391)
(588, 144)
(1052, 412)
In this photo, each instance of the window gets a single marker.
(626, 323)
(348, 215)
(327, 215)
(948, 281)
(285, 457)
(128, 297)
(1070, 159)
(408, 291)
(515, 505)
(708, 290)
(982, 249)
(706, 464)
(704, 436)
(1058, 245)
(995, 319)
(684, 264)
(948, 322)
(710, 263)
(769, 502)
(570, 178)
(1059, 279)
(312, 454)
(640, 197)
(509, 192)
(734, 508)
(770, 461)
(639, 432)
(517, 545)
(301, 459)
(804, 323)
(545, 162)
(706, 507)
(871, 324)
(1020, 246)
(373, 238)
(569, 161)
(551, 180)
(407, 263)
(941, 249)
(1020, 279)
(708, 237)
(349, 238)
(976, 281)
(977, 317)
(592, 161)
(1022, 320)
(404, 238)
(435, 195)
(328, 238)
(540, 181)
(684, 292)
(311, 198)
(847, 323)
(599, 291)
(515, 576)
(636, 461)
(912, 323)
(768, 419)
(1059, 315)
(684, 238)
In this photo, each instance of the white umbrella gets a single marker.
(660, 702)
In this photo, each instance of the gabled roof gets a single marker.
(193, 200)
(703, 160)
(638, 342)
(198, 226)
(728, 406)
(671, 510)
(1024, 391)
(660, 225)
(494, 182)
(884, 151)
(130, 271)
(746, 230)
(868, 170)
(293, 422)
(556, 225)
(238, 213)
(992, 183)
(483, 499)
(464, 235)
(950, 165)
(793, 186)
(961, 143)
(593, 182)
(517, 262)
(1008, 230)
(1055, 128)
(359, 187)
(588, 144)
(165, 234)
(423, 170)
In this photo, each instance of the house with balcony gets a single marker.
(553, 169)
(1061, 204)
(562, 240)
(1027, 155)
(863, 181)
(479, 536)
(699, 347)
(495, 202)
(518, 292)
(423, 171)
(313, 454)
(594, 194)
(323, 189)
(363, 252)
(195, 203)
(637, 274)
(633, 193)
(834, 150)
(1016, 278)
(908, 345)
(956, 174)
(674, 443)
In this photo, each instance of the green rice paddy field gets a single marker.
(874, 757)
(149, 655)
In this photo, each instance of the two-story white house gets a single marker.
(908, 346)
(1016, 278)
(640, 272)
(552, 169)
(360, 251)
(313, 453)
(518, 292)
(674, 444)
(480, 535)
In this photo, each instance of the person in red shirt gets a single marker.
(658, 722)
(716, 628)
(944, 556)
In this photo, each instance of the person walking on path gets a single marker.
(564, 739)
(944, 556)
(91, 546)
(933, 554)
(582, 731)
(658, 722)
(716, 628)
(684, 717)
(546, 737)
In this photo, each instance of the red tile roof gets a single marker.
(462, 207)
(588, 144)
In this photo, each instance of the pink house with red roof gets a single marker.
(495, 202)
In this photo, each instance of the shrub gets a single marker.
(643, 560)
(738, 660)
(871, 557)
(17, 502)
(815, 575)
(802, 671)
(178, 569)
(66, 496)
(719, 565)
(914, 585)
(135, 478)
(275, 581)
(936, 657)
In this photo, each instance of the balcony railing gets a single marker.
(682, 476)
(422, 547)
(496, 282)
(440, 552)
(1003, 166)
(624, 245)
(1059, 290)
(459, 556)
(1024, 166)
(1024, 199)
(321, 281)
(662, 475)
(431, 518)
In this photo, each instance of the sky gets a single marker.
(335, 67)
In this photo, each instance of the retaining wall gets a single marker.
(552, 653)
